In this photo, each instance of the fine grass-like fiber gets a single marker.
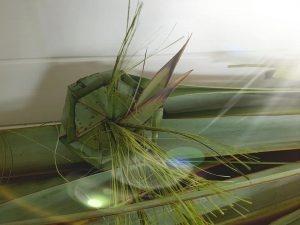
(154, 152)
(141, 170)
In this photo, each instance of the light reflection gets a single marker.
(96, 202)
(93, 198)
(91, 192)
(185, 157)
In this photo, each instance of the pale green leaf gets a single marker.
(145, 111)
(161, 78)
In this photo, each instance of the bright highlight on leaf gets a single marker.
(95, 203)
(141, 170)
(159, 153)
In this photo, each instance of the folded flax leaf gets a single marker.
(97, 124)
(106, 122)
(65, 203)
(261, 133)
(209, 102)
(246, 134)
(272, 192)
(290, 219)
(161, 78)
(144, 111)
(223, 130)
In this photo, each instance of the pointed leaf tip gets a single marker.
(161, 78)
(144, 112)
(171, 87)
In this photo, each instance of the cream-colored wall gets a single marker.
(47, 44)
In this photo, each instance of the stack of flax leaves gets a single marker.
(132, 150)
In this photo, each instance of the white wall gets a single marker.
(47, 44)
(60, 28)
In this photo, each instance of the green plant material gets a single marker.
(269, 198)
(161, 78)
(97, 129)
(76, 91)
(18, 187)
(263, 190)
(205, 102)
(119, 123)
(31, 150)
(150, 174)
(209, 144)
(243, 134)
(142, 113)
(130, 31)
(111, 121)
(290, 219)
